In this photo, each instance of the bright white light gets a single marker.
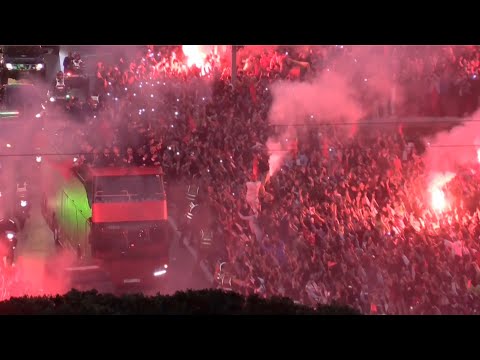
(176, 113)
(116, 99)
(151, 95)
(165, 266)
(39, 67)
(109, 83)
(38, 116)
(43, 107)
(9, 66)
(108, 94)
(10, 236)
(140, 86)
(164, 84)
(38, 159)
(438, 200)
(169, 148)
(52, 99)
(23, 203)
(221, 160)
(75, 159)
(365, 79)
(126, 89)
(178, 99)
(9, 146)
(171, 125)
(159, 273)
(178, 152)
(134, 94)
(203, 98)
(153, 109)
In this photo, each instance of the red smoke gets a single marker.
(35, 276)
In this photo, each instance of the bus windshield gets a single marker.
(128, 188)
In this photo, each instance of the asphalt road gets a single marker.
(37, 259)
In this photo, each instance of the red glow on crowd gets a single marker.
(199, 56)
(439, 202)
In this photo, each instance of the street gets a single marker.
(37, 258)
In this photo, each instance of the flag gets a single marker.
(293, 146)
(325, 148)
(191, 123)
(255, 168)
(253, 93)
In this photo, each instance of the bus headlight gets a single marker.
(9, 66)
(39, 67)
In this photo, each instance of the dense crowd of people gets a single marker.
(345, 219)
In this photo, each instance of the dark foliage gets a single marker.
(204, 302)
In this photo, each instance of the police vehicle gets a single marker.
(22, 61)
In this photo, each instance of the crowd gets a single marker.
(343, 220)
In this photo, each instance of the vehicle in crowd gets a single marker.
(8, 241)
(59, 92)
(115, 217)
(21, 210)
(22, 61)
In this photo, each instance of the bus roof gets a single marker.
(124, 171)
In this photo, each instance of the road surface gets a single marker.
(37, 258)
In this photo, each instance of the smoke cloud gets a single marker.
(457, 147)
